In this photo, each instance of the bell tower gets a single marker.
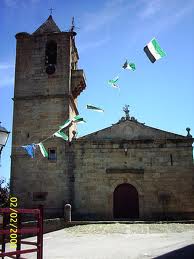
(47, 84)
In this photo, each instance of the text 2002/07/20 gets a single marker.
(13, 222)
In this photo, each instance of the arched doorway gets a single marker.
(125, 202)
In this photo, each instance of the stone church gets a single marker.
(126, 171)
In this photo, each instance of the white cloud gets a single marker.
(167, 21)
(93, 44)
(6, 74)
(10, 3)
(111, 11)
(183, 12)
(7, 80)
(151, 8)
(15, 3)
(167, 17)
(6, 65)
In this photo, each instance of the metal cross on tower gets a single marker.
(51, 10)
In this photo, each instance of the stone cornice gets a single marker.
(35, 97)
(125, 171)
(25, 35)
(135, 141)
(40, 96)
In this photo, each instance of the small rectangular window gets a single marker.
(39, 196)
(52, 154)
(171, 160)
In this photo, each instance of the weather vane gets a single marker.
(51, 10)
(72, 24)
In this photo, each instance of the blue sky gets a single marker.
(109, 31)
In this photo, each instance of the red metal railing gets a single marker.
(38, 230)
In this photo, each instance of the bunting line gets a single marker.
(30, 148)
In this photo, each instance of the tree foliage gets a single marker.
(4, 193)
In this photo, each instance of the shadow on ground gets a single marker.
(186, 252)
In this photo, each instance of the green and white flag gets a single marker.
(66, 124)
(154, 51)
(112, 82)
(78, 119)
(43, 150)
(130, 66)
(94, 108)
(62, 135)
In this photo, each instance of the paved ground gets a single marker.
(122, 241)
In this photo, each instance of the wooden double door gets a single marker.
(125, 202)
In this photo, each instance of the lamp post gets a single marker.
(4, 134)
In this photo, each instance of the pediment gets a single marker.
(131, 130)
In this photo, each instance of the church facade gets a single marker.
(126, 171)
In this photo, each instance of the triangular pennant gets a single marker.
(66, 124)
(78, 119)
(30, 149)
(43, 150)
(112, 82)
(94, 108)
(62, 135)
(130, 66)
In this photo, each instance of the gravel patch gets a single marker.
(119, 228)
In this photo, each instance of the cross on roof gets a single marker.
(51, 10)
(126, 110)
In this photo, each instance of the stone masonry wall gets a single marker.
(41, 104)
(31, 78)
(94, 187)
